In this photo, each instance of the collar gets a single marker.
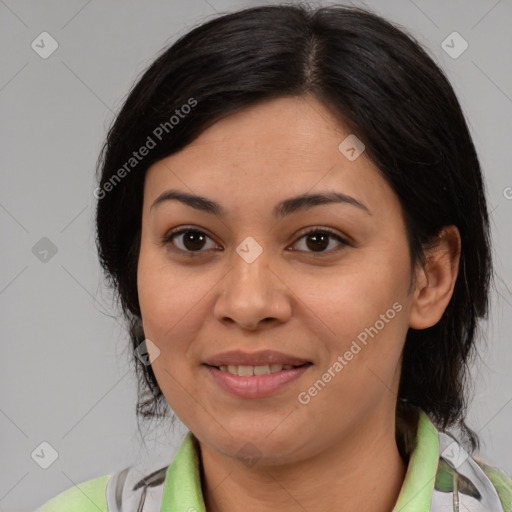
(183, 491)
(416, 492)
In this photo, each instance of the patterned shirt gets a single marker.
(441, 477)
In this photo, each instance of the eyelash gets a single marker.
(168, 238)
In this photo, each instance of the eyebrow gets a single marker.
(283, 209)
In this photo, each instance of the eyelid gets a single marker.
(315, 229)
(342, 239)
(170, 235)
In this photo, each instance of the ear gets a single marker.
(436, 279)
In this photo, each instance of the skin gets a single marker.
(298, 302)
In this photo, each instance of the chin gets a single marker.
(251, 444)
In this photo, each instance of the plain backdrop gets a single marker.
(65, 373)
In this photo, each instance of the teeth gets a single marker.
(245, 371)
(260, 370)
(249, 371)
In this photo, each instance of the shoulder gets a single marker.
(501, 482)
(88, 496)
(464, 477)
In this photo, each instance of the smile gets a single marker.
(260, 381)
(249, 371)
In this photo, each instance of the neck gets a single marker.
(364, 471)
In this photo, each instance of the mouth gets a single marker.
(254, 371)
(256, 381)
(255, 374)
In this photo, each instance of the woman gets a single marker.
(292, 212)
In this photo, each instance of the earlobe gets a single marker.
(436, 279)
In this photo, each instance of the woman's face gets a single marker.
(253, 280)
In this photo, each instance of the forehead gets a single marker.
(275, 149)
(285, 129)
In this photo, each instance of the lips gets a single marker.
(261, 358)
(255, 374)
(255, 386)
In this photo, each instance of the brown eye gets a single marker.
(187, 239)
(318, 240)
(191, 240)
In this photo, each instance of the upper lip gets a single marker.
(263, 357)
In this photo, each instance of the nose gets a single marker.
(252, 293)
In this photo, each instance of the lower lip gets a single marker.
(258, 386)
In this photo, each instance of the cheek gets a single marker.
(162, 297)
(170, 302)
(361, 309)
(172, 299)
(354, 296)
(160, 289)
(367, 323)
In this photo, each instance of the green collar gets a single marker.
(416, 492)
(182, 490)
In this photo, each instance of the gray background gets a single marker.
(65, 372)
